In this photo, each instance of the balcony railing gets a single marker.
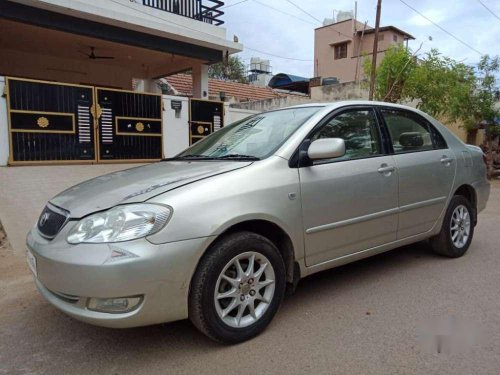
(194, 9)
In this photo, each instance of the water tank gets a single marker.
(328, 21)
(342, 15)
(259, 65)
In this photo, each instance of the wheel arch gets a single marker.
(468, 192)
(274, 233)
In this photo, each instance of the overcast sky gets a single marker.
(265, 29)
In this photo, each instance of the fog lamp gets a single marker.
(114, 305)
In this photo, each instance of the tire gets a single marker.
(446, 243)
(217, 275)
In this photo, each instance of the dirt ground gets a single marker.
(369, 317)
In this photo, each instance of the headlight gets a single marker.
(122, 223)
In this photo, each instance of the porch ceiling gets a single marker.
(67, 50)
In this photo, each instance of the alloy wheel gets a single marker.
(244, 289)
(460, 226)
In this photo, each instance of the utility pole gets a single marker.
(375, 50)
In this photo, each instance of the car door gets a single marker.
(426, 170)
(349, 203)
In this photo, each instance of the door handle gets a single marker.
(386, 169)
(446, 160)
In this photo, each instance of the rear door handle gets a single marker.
(446, 160)
(385, 169)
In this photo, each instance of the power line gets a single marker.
(294, 16)
(283, 12)
(442, 29)
(302, 10)
(310, 15)
(278, 56)
(488, 9)
(202, 32)
(232, 5)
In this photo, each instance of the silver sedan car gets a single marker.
(220, 232)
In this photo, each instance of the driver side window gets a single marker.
(358, 128)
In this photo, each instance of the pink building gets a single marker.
(340, 48)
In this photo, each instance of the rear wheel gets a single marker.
(237, 288)
(457, 231)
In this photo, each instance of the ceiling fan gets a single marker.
(93, 56)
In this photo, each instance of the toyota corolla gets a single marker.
(218, 233)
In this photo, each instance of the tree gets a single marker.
(392, 74)
(443, 87)
(232, 70)
(485, 109)
(486, 88)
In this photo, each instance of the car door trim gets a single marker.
(416, 205)
(376, 215)
(354, 220)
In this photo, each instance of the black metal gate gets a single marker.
(205, 117)
(130, 126)
(65, 123)
(50, 122)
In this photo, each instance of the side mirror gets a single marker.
(326, 148)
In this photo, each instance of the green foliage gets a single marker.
(232, 70)
(484, 98)
(443, 87)
(392, 74)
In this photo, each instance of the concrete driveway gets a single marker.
(364, 318)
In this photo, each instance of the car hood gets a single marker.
(137, 184)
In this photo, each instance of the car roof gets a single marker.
(343, 103)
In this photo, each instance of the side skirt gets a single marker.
(307, 271)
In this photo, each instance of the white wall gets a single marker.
(4, 126)
(235, 114)
(175, 129)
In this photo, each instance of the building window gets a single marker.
(380, 37)
(341, 51)
(395, 38)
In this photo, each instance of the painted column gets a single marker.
(4, 126)
(175, 125)
(147, 85)
(200, 81)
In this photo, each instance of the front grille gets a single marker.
(51, 221)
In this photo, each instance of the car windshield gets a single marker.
(255, 137)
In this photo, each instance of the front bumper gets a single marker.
(68, 275)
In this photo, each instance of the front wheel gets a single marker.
(458, 228)
(237, 288)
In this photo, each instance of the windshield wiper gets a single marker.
(206, 157)
(189, 157)
(238, 156)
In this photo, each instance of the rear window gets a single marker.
(410, 132)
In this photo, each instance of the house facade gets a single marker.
(79, 76)
(340, 48)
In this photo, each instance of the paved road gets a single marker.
(363, 318)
